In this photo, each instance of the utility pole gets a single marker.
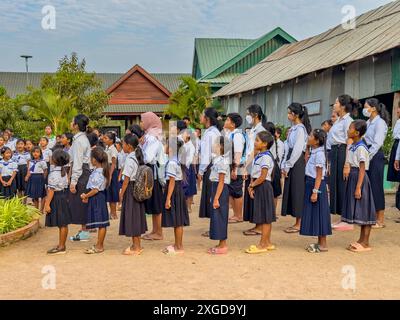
(26, 57)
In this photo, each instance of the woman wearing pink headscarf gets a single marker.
(152, 151)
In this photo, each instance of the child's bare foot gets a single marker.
(131, 251)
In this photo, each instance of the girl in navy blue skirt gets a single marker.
(316, 220)
(261, 192)
(22, 158)
(36, 177)
(57, 207)
(359, 204)
(175, 213)
(8, 173)
(220, 178)
(112, 192)
(96, 198)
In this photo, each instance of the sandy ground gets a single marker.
(288, 273)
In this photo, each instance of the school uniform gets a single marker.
(152, 149)
(80, 172)
(177, 215)
(98, 216)
(294, 165)
(276, 178)
(22, 160)
(121, 162)
(392, 174)
(112, 192)
(337, 159)
(251, 138)
(316, 219)
(133, 217)
(47, 154)
(7, 169)
(238, 141)
(60, 215)
(219, 217)
(375, 138)
(281, 151)
(35, 188)
(11, 144)
(207, 141)
(68, 166)
(263, 206)
(52, 142)
(186, 157)
(362, 211)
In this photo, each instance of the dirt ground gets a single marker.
(288, 273)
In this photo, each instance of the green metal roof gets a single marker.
(15, 82)
(223, 78)
(135, 108)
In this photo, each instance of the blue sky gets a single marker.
(114, 35)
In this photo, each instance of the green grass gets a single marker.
(14, 215)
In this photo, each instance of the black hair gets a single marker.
(69, 137)
(278, 130)
(321, 136)
(270, 127)
(380, 108)
(256, 110)
(57, 146)
(82, 122)
(266, 137)
(302, 112)
(119, 143)
(61, 159)
(181, 125)
(93, 139)
(236, 118)
(101, 157)
(20, 140)
(186, 118)
(5, 149)
(133, 140)
(212, 115)
(36, 148)
(9, 129)
(45, 138)
(360, 126)
(111, 135)
(347, 102)
(328, 122)
(136, 130)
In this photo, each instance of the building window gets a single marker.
(313, 107)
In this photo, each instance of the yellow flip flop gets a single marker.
(255, 250)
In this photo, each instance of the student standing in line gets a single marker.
(36, 177)
(377, 128)
(8, 173)
(22, 158)
(393, 174)
(210, 121)
(257, 119)
(280, 144)
(293, 168)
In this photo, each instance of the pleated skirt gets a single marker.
(190, 187)
(392, 174)
(178, 215)
(98, 216)
(60, 215)
(35, 188)
(154, 205)
(205, 203)
(294, 188)
(78, 208)
(133, 217)
(112, 192)
(21, 174)
(219, 217)
(337, 159)
(10, 191)
(248, 203)
(375, 175)
(362, 211)
(316, 218)
(263, 204)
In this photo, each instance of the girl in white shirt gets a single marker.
(8, 173)
(112, 193)
(393, 175)
(36, 177)
(22, 158)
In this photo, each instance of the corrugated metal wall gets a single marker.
(396, 70)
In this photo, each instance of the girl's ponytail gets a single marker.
(139, 155)
(306, 120)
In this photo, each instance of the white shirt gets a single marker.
(251, 137)
(7, 168)
(375, 135)
(263, 161)
(56, 181)
(173, 170)
(121, 159)
(238, 141)
(52, 142)
(396, 130)
(111, 153)
(186, 156)
(207, 141)
(80, 151)
(152, 148)
(358, 152)
(131, 167)
(11, 144)
(297, 142)
(97, 180)
(21, 158)
(281, 150)
(220, 165)
(37, 166)
(47, 153)
(338, 132)
(317, 160)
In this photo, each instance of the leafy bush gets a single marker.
(14, 215)
(387, 146)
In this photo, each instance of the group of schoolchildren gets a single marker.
(336, 169)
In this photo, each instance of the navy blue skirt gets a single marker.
(205, 202)
(112, 192)
(363, 211)
(154, 205)
(248, 203)
(178, 215)
(10, 191)
(263, 204)
(60, 215)
(98, 216)
(316, 218)
(375, 175)
(190, 186)
(22, 171)
(392, 174)
(219, 217)
(236, 188)
(276, 180)
(35, 188)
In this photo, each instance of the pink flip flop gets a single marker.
(217, 251)
(170, 250)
